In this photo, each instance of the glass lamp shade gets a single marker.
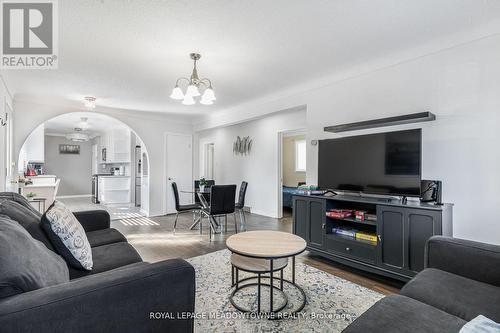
(188, 100)
(205, 101)
(177, 93)
(209, 95)
(192, 91)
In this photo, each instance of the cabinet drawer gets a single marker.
(351, 248)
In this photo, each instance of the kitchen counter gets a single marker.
(112, 176)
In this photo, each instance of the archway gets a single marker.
(76, 146)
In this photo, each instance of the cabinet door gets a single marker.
(422, 224)
(391, 232)
(316, 218)
(300, 216)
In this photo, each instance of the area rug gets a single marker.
(332, 303)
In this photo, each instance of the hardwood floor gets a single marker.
(154, 240)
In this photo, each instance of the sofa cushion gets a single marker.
(457, 295)
(26, 264)
(108, 257)
(26, 218)
(400, 314)
(105, 236)
(20, 200)
(67, 236)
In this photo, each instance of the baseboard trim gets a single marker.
(74, 196)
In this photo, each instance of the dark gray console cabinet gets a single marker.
(401, 229)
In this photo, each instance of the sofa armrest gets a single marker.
(123, 300)
(473, 260)
(93, 220)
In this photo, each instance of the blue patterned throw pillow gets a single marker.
(67, 236)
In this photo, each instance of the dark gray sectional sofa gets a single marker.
(461, 281)
(120, 294)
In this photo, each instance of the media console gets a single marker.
(401, 230)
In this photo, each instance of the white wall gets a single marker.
(74, 170)
(6, 141)
(150, 127)
(460, 85)
(260, 167)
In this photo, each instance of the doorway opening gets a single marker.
(292, 168)
(89, 158)
(208, 161)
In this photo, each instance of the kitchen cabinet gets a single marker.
(115, 146)
(114, 189)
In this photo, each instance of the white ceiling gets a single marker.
(129, 53)
(97, 123)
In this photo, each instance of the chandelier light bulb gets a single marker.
(209, 94)
(188, 100)
(192, 91)
(177, 93)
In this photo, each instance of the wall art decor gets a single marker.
(69, 149)
(242, 146)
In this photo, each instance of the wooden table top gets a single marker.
(266, 244)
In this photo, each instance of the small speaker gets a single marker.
(431, 191)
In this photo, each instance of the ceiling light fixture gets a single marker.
(77, 137)
(89, 102)
(194, 83)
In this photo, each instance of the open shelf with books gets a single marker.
(352, 221)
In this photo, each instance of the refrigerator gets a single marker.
(138, 174)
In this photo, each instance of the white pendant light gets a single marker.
(192, 91)
(177, 93)
(89, 102)
(209, 94)
(188, 100)
(194, 84)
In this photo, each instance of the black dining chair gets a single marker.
(210, 183)
(194, 208)
(221, 204)
(240, 205)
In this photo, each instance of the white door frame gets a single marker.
(166, 192)
(280, 136)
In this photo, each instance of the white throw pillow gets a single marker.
(67, 236)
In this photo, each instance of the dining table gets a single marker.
(202, 196)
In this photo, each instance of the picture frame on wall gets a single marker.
(69, 149)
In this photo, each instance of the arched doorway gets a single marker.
(98, 159)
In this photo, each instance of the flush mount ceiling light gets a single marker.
(194, 84)
(77, 137)
(89, 102)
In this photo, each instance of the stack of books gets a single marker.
(344, 232)
(366, 236)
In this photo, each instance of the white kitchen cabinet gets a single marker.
(117, 144)
(114, 189)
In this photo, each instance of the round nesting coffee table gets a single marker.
(263, 252)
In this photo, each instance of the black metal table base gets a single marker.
(273, 312)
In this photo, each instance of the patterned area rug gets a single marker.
(332, 302)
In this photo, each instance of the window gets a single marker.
(300, 155)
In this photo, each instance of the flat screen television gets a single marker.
(382, 163)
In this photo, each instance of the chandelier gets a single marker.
(194, 84)
(89, 102)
